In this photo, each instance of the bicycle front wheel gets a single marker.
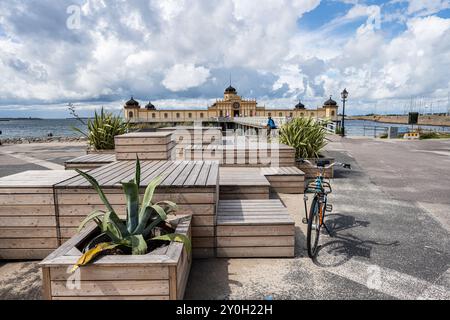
(313, 232)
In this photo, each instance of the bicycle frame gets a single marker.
(319, 192)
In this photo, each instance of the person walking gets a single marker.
(270, 125)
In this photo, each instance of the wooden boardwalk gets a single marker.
(193, 185)
(254, 228)
(90, 161)
(28, 225)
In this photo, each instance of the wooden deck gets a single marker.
(285, 179)
(193, 185)
(242, 183)
(28, 226)
(145, 145)
(248, 155)
(89, 161)
(254, 228)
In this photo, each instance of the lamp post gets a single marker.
(344, 95)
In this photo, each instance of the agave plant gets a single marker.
(102, 129)
(306, 135)
(139, 226)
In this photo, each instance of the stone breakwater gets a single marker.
(40, 140)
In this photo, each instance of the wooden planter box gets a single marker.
(310, 172)
(159, 275)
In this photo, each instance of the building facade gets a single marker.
(231, 106)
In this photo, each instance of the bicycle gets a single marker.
(319, 205)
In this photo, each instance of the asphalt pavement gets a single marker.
(390, 230)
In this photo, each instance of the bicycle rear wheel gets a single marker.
(313, 231)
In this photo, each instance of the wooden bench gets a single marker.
(285, 179)
(246, 155)
(193, 185)
(188, 135)
(28, 224)
(89, 161)
(242, 183)
(254, 228)
(146, 145)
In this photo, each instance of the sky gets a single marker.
(391, 56)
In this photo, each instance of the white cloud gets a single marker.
(184, 76)
(427, 7)
(182, 50)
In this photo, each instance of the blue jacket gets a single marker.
(271, 124)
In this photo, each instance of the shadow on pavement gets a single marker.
(342, 248)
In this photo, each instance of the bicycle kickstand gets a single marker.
(328, 231)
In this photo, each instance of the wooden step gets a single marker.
(242, 183)
(145, 145)
(89, 161)
(285, 179)
(254, 228)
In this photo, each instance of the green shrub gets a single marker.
(339, 130)
(305, 135)
(102, 129)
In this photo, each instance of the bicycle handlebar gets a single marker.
(344, 165)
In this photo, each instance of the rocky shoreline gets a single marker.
(6, 141)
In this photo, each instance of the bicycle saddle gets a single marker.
(322, 163)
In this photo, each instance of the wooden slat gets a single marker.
(255, 252)
(112, 288)
(179, 181)
(192, 178)
(93, 158)
(264, 241)
(24, 254)
(25, 243)
(29, 221)
(269, 230)
(26, 199)
(29, 232)
(27, 210)
(114, 298)
(90, 272)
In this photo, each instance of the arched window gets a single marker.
(332, 113)
(251, 113)
(165, 115)
(221, 113)
(190, 115)
(312, 114)
(280, 114)
(291, 114)
(178, 114)
(153, 115)
(269, 114)
(130, 114)
(301, 114)
(201, 114)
